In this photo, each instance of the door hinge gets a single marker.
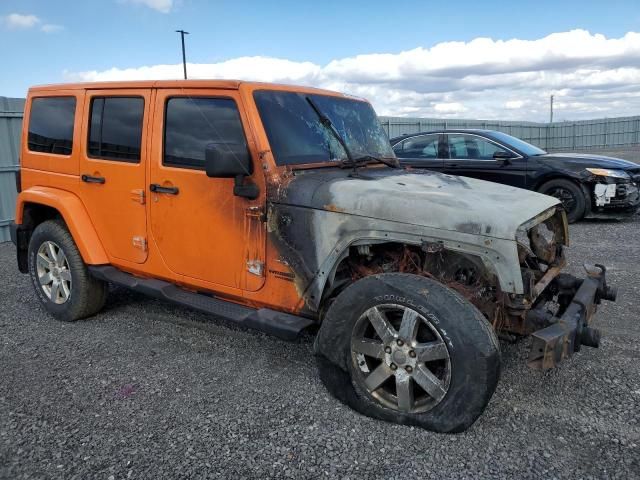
(140, 242)
(257, 212)
(137, 195)
(255, 267)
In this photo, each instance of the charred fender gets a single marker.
(314, 243)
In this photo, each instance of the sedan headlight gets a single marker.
(606, 172)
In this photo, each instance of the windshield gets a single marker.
(526, 148)
(297, 136)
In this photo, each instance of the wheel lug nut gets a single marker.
(412, 353)
(399, 342)
(408, 369)
(387, 349)
(393, 366)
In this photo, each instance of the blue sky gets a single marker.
(56, 41)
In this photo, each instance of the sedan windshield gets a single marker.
(524, 147)
(297, 136)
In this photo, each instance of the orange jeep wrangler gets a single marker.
(282, 208)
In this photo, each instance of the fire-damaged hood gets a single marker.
(420, 197)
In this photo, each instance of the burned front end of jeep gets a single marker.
(555, 308)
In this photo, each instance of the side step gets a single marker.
(279, 324)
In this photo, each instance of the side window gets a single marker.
(424, 146)
(471, 147)
(51, 125)
(486, 149)
(458, 146)
(115, 129)
(193, 123)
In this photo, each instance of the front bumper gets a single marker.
(622, 198)
(568, 332)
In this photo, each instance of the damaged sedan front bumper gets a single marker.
(616, 196)
(570, 330)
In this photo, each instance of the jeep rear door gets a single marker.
(201, 229)
(112, 169)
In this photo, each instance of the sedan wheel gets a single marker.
(574, 200)
(565, 196)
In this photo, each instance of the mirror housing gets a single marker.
(227, 160)
(502, 155)
(231, 160)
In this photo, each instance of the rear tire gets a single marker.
(435, 363)
(570, 194)
(59, 275)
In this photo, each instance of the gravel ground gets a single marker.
(149, 390)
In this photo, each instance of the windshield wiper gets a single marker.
(326, 122)
(365, 159)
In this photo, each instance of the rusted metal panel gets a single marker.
(10, 127)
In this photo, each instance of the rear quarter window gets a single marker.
(51, 125)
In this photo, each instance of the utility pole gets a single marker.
(184, 57)
(550, 111)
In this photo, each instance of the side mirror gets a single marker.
(227, 160)
(502, 155)
(231, 160)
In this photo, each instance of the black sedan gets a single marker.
(587, 185)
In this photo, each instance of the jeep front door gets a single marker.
(201, 229)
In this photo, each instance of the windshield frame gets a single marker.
(517, 144)
(315, 95)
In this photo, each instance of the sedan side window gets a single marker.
(472, 147)
(424, 146)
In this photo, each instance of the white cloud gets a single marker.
(449, 107)
(51, 28)
(163, 6)
(514, 104)
(17, 20)
(20, 21)
(589, 74)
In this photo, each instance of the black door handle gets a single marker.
(155, 188)
(90, 179)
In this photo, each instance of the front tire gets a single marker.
(59, 275)
(570, 194)
(408, 350)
